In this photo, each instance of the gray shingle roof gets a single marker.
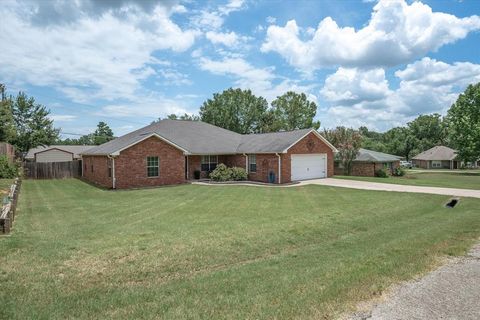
(197, 137)
(76, 150)
(270, 142)
(437, 153)
(366, 155)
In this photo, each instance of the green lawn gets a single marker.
(209, 252)
(459, 179)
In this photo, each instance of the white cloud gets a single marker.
(173, 77)
(214, 19)
(262, 81)
(364, 97)
(149, 107)
(271, 20)
(230, 39)
(350, 86)
(62, 117)
(396, 33)
(88, 55)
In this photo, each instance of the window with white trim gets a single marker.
(252, 163)
(209, 163)
(436, 164)
(152, 167)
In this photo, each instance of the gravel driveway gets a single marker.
(450, 292)
(365, 185)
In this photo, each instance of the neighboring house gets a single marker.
(56, 153)
(368, 161)
(170, 151)
(439, 157)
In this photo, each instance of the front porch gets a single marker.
(259, 167)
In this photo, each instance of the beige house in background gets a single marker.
(57, 153)
(439, 157)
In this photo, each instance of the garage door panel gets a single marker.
(308, 166)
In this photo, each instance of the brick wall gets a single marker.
(95, 170)
(131, 165)
(310, 144)
(265, 164)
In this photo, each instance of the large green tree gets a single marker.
(400, 141)
(464, 124)
(236, 110)
(348, 142)
(292, 111)
(102, 134)
(372, 140)
(7, 123)
(32, 123)
(428, 130)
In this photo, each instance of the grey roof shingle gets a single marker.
(437, 153)
(198, 137)
(270, 142)
(365, 155)
(76, 150)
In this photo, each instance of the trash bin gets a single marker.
(271, 177)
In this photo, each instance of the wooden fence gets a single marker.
(52, 170)
(8, 150)
(9, 207)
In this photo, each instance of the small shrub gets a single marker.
(398, 172)
(7, 170)
(381, 173)
(221, 173)
(239, 174)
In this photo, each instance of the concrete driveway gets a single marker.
(365, 185)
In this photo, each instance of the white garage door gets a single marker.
(309, 166)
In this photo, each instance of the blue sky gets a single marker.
(129, 62)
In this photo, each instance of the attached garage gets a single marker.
(308, 166)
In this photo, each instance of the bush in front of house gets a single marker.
(239, 174)
(221, 173)
(398, 172)
(381, 173)
(7, 170)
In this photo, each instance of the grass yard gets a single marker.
(461, 179)
(208, 252)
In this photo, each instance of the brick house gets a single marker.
(369, 161)
(171, 151)
(438, 157)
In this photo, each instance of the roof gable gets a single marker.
(76, 150)
(437, 153)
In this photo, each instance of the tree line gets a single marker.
(26, 124)
(242, 112)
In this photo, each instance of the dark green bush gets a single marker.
(398, 172)
(7, 170)
(239, 174)
(381, 173)
(221, 173)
